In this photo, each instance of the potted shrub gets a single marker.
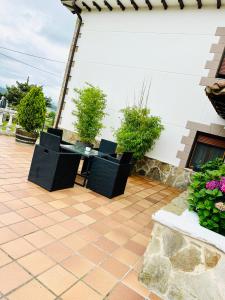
(207, 196)
(31, 115)
(138, 131)
(90, 111)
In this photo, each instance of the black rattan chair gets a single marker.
(108, 177)
(50, 168)
(105, 147)
(58, 132)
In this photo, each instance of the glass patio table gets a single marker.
(81, 150)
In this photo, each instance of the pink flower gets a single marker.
(213, 184)
(222, 188)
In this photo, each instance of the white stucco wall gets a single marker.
(119, 50)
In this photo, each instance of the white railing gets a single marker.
(4, 114)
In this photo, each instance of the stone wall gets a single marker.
(166, 173)
(178, 267)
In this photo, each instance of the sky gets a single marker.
(40, 27)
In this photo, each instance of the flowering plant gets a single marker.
(207, 198)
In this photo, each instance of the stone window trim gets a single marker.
(215, 129)
(213, 65)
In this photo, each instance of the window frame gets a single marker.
(218, 75)
(196, 142)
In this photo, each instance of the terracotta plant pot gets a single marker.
(22, 136)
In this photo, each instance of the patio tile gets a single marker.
(11, 277)
(154, 297)
(93, 254)
(6, 197)
(36, 262)
(3, 208)
(57, 251)
(100, 227)
(39, 239)
(114, 267)
(58, 216)
(81, 291)
(18, 248)
(29, 212)
(82, 207)
(42, 221)
(23, 228)
(57, 231)
(88, 234)
(123, 292)
(15, 204)
(72, 225)
(4, 259)
(70, 211)
(95, 215)
(84, 219)
(31, 200)
(83, 197)
(6, 235)
(74, 242)
(32, 290)
(117, 237)
(58, 204)
(125, 256)
(44, 208)
(135, 247)
(100, 280)
(77, 265)
(57, 279)
(11, 218)
(131, 280)
(106, 244)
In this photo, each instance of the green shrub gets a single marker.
(90, 111)
(212, 165)
(138, 131)
(203, 199)
(32, 110)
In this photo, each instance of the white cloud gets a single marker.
(43, 28)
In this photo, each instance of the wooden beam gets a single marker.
(86, 6)
(134, 4)
(165, 5)
(181, 4)
(121, 5)
(96, 5)
(218, 5)
(148, 4)
(74, 8)
(108, 5)
(199, 2)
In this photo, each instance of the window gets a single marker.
(221, 69)
(206, 147)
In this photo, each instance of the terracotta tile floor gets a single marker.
(71, 244)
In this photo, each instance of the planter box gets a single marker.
(25, 137)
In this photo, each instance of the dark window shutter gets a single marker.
(211, 141)
(221, 71)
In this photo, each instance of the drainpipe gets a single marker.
(68, 66)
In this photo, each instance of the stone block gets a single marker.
(187, 259)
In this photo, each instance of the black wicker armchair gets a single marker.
(105, 147)
(58, 132)
(50, 168)
(108, 176)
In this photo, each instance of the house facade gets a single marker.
(177, 48)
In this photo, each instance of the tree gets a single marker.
(32, 110)
(90, 111)
(15, 93)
